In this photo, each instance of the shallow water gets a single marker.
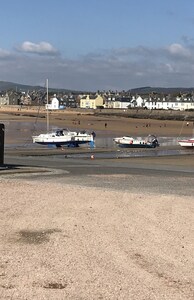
(19, 134)
(133, 153)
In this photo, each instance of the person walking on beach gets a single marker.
(105, 125)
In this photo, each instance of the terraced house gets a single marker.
(4, 99)
(91, 101)
(183, 102)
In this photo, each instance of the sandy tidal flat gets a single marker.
(63, 241)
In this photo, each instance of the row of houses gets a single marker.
(166, 103)
(109, 101)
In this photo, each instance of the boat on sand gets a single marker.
(187, 143)
(150, 141)
(64, 137)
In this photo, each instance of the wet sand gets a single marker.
(87, 120)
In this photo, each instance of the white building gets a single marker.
(4, 99)
(54, 104)
(174, 104)
(122, 103)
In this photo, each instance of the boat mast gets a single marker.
(47, 117)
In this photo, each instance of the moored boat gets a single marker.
(129, 142)
(187, 143)
(64, 137)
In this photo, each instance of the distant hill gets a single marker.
(160, 90)
(5, 86)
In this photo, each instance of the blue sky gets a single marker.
(97, 44)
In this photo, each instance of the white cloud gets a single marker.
(124, 68)
(177, 49)
(42, 48)
(169, 68)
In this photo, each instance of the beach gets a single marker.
(71, 241)
(107, 229)
(118, 123)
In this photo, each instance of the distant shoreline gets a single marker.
(137, 113)
(118, 123)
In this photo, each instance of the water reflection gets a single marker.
(127, 154)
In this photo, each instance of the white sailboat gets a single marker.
(63, 137)
(187, 143)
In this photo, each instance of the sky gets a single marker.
(97, 44)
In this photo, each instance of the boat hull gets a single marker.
(63, 138)
(129, 142)
(60, 144)
(135, 146)
(187, 143)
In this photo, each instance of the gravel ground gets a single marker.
(78, 241)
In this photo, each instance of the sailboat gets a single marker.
(63, 137)
(187, 143)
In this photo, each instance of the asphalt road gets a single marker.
(155, 175)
